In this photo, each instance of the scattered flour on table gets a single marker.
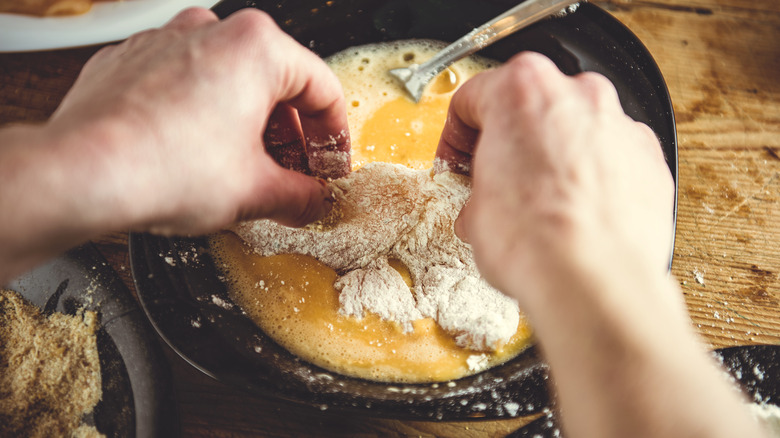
(698, 276)
(387, 211)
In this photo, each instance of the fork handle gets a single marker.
(524, 14)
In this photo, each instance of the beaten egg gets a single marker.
(292, 297)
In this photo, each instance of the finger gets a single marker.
(283, 139)
(461, 129)
(323, 116)
(462, 223)
(315, 92)
(186, 20)
(531, 82)
(301, 79)
(191, 18)
(649, 138)
(456, 145)
(328, 153)
(288, 197)
(600, 91)
(298, 77)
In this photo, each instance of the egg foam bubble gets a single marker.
(386, 125)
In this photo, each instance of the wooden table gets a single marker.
(721, 61)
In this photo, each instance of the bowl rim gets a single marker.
(520, 391)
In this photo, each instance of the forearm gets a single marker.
(624, 357)
(162, 133)
(55, 194)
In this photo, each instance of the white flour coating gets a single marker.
(358, 293)
(392, 212)
(328, 164)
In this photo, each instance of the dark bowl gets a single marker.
(138, 398)
(177, 281)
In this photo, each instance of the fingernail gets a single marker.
(460, 231)
(327, 207)
(326, 189)
(329, 198)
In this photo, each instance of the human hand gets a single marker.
(571, 213)
(180, 112)
(559, 170)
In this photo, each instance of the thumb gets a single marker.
(288, 197)
(462, 222)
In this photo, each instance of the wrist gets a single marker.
(92, 181)
(110, 172)
(580, 274)
(38, 220)
(56, 192)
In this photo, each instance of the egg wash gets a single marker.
(388, 293)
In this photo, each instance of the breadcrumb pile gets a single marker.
(49, 370)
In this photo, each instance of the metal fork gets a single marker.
(416, 77)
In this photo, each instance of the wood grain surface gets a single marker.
(721, 61)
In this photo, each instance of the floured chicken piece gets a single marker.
(390, 212)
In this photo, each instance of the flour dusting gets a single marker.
(388, 211)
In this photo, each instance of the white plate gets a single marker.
(105, 22)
